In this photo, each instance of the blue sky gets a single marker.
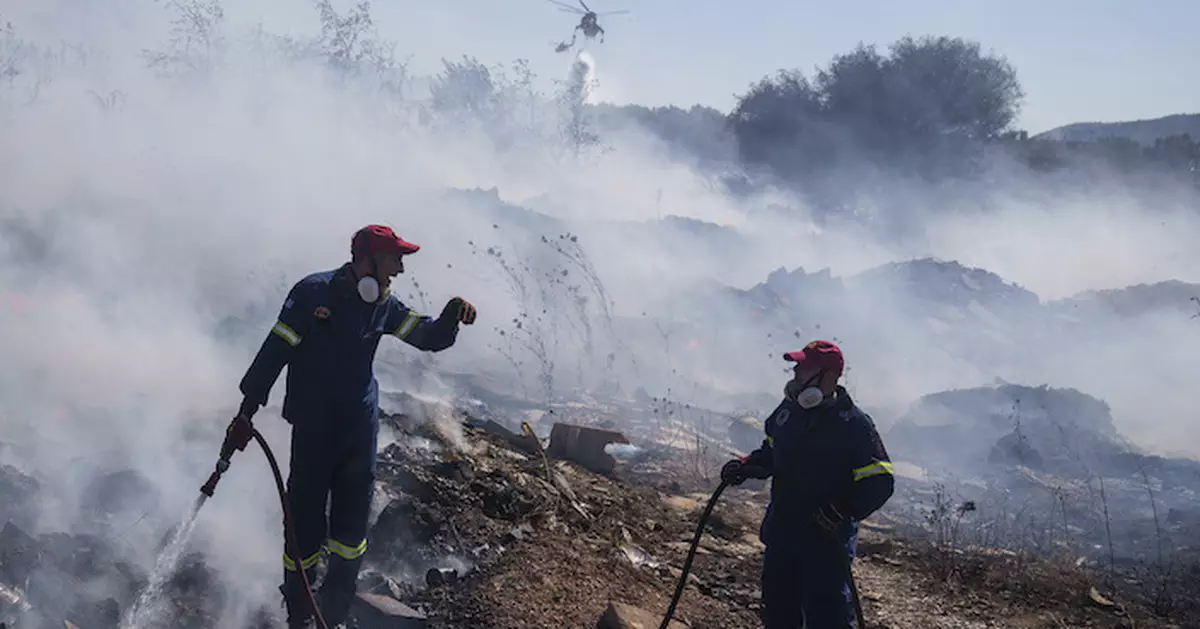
(1078, 60)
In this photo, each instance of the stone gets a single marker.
(584, 445)
(20, 554)
(376, 611)
(622, 616)
(435, 577)
(18, 497)
(520, 441)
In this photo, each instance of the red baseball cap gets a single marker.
(821, 355)
(380, 239)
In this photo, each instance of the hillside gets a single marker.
(1141, 131)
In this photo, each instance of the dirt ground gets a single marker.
(522, 541)
(564, 542)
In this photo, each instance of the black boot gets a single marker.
(338, 589)
(296, 601)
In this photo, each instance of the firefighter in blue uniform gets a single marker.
(829, 470)
(327, 334)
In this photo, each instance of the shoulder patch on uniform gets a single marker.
(288, 303)
(321, 313)
(782, 416)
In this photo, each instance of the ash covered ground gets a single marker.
(478, 524)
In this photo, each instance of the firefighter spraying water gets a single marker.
(326, 334)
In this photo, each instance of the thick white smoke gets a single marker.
(153, 217)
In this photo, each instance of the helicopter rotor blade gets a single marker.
(585, 6)
(564, 6)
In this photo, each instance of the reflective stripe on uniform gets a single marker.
(770, 440)
(308, 562)
(347, 552)
(874, 469)
(409, 324)
(286, 333)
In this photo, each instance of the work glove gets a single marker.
(829, 518)
(241, 430)
(736, 472)
(459, 309)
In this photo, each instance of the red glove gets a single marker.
(240, 430)
(239, 434)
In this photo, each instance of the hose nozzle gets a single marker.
(211, 484)
(237, 436)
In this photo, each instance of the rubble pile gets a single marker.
(1047, 471)
(490, 530)
(489, 521)
(948, 283)
(954, 294)
(1059, 431)
(945, 291)
(19, 495)
(457, 494)
(968, 323)
(498, 536)
(49, 579)
(784, 287)
(1172, 296)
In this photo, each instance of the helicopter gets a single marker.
(589, 23)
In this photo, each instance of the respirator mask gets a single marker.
(368, 285)
(807, 395)
(368, 289)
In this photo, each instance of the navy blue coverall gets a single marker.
(327, 336)
(830, 455)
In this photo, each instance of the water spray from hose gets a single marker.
(147, 610)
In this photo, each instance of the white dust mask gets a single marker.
(368, 289)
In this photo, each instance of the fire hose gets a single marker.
(289, 530)
(687, 566)
(687, 563)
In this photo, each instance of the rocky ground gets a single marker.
(478, 528)
(574, 545)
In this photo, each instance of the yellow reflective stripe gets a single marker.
(770, 441)
(286, 333)
(309, 562)
(874, 469)
(409, 324)
(346, 552)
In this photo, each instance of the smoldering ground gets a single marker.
(163, 187)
